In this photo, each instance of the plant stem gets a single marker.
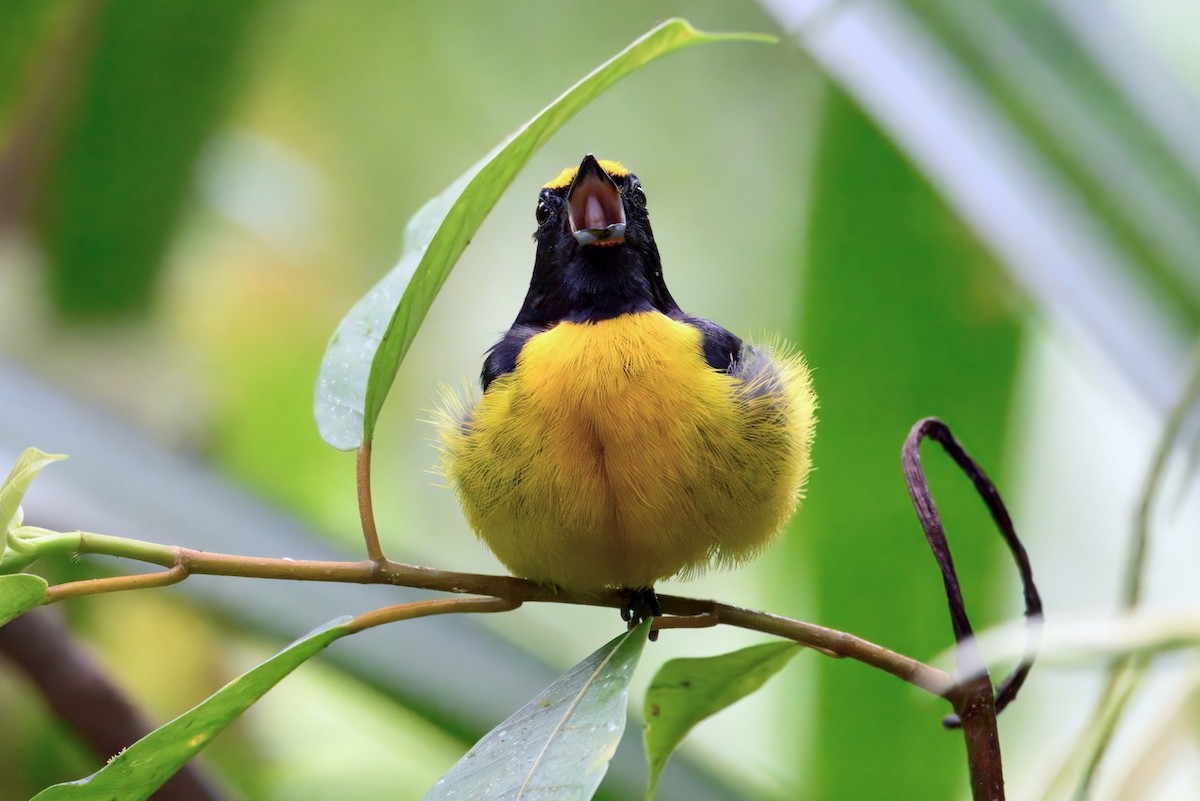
(440, 606)
(977, 713)
(139, 581)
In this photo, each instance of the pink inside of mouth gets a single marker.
(595, 205)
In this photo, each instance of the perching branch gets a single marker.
(183, 562)
(682, 612)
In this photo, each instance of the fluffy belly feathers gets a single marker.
(613, 455)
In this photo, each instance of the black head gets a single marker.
(596, 256)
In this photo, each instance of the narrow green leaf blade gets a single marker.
(372, 339)
(12, 491)
(19, 594)
(908, 321)
(135, 773)
(559, 744)
(686, 691)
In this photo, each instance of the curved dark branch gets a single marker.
(935, 535)
(976, 704)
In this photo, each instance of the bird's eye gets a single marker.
(637, 192)
(542, 212)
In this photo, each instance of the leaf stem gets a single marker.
(366, 509)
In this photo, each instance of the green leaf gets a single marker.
(19, 594)
(559, 744)
(139, 770)
(686, 691)
(372, 339)
(12, 491)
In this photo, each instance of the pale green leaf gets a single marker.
(686, 691)
(19, 594)
(365, 351)
(557, 746)
(139, 770)
(12, 491)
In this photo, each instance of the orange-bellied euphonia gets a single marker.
(620, 440)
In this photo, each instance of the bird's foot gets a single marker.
(643, 603)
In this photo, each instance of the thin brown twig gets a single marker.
(138, 581)
(440, 606)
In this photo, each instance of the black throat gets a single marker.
(597, 282)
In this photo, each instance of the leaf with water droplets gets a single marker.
(558, 746)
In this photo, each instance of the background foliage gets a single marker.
(192, 195)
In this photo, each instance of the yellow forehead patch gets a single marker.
(614, 168)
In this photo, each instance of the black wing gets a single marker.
(722, 348)
(502, 357)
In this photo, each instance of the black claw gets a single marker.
(653, 602)
(643, 604)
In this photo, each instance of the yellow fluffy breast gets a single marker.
(613, 455)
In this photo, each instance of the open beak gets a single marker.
(594, 206)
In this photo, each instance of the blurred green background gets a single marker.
(981, 211)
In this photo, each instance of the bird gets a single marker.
(618, 440)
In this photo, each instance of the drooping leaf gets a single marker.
(372, 339)
(19, 594)
(559, 744)
(135, 773)
(686, 691)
